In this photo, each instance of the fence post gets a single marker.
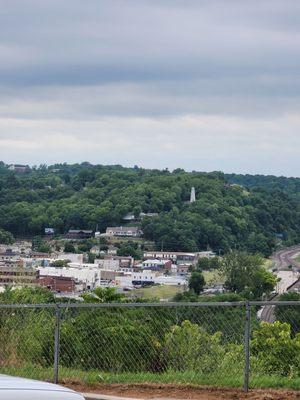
(247, 347)
(56, 343)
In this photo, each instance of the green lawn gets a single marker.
(92, 377)
(213, 277)
(165, 292)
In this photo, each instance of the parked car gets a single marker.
(13, 388)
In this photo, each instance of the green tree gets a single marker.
(103, 295)
(6, 237)
(187, 296)
(91, 257)
(130, 248)
(197, 282)
(263, 283)
(27, 295)
(69, 248)
(60, 263)
(205, 263)
(44, 248)
(245, 274)
(289, 313)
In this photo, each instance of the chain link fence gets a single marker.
(217, 344)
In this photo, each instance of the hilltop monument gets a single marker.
(193, 195)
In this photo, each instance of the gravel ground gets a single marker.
(152, 391)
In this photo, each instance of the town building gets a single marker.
(38, 255)
(88, 277)
(157, 265)
(111, 264)
(72, 257)
(183, 269)
(124, 261)
(148, 278)
(143, 278)
(60, 284)
(177, 257)
(16, 275)
(9, 258)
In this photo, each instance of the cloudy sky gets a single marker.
(197, 84)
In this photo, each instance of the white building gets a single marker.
(89, 276)
(126, 279)
(144, 276)
(178, 257)
(170, 280)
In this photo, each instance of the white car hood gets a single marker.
(21, 388)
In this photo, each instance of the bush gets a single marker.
(190, 348)
(275, 351)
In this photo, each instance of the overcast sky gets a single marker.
(198, 84)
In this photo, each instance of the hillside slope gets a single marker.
(224, 216)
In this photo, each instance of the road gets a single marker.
(282, 260)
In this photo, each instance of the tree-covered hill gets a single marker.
(224, 216)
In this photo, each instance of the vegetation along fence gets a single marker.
(221, 344)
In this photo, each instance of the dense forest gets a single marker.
(231, 211)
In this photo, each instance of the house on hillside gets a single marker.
(9, 258)
(148, 214)
(124, 231)
(129, 217)
(20, 169)
(79, 234)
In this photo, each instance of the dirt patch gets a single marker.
(158, 391)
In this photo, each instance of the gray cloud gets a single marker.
(146, 80)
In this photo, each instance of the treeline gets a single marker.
(266, 182)
(82, 196)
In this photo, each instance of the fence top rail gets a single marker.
(144, 305)
(28, 306)
(157, 305)
(123, 305)
(275, 303)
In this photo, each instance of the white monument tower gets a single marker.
(193, 195)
